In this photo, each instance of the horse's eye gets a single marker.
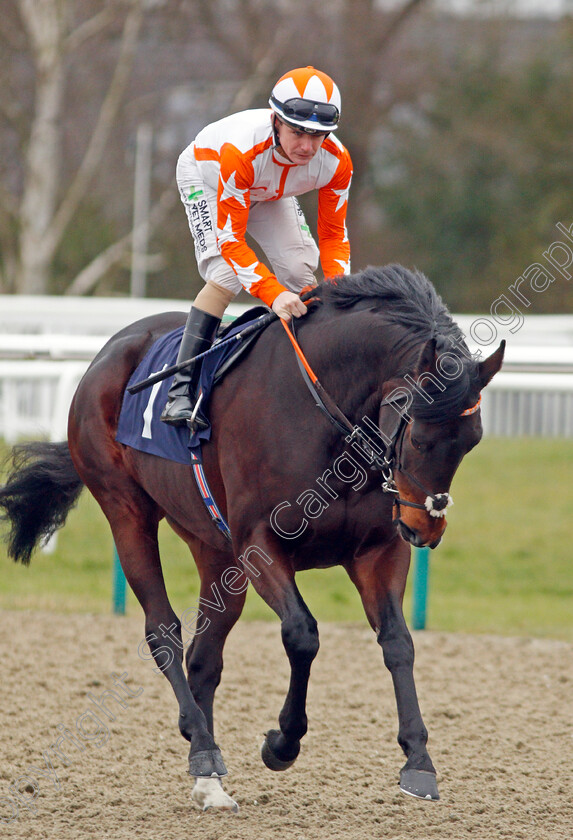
(418, 446)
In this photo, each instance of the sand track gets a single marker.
(499, 712)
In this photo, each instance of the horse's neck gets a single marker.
(354, 353)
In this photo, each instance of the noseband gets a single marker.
(435, 503)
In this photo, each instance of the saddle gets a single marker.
(139, 425)
(239, 347)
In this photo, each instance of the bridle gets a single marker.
(383, 456)
(435, 503)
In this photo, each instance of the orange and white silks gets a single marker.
(236, 156)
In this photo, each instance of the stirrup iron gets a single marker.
(191, 421)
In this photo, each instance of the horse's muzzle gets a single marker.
(414, 538)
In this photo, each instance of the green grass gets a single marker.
(504, 565)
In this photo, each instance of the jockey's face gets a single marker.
(298, 146)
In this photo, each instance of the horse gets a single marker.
(297, 491)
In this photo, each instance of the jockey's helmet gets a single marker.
(307, 99)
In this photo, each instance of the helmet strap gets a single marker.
(275, 132)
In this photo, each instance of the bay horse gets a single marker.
(295, 492)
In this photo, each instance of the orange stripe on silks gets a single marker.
(266, 289)
(299, 353)
(282, 182)
(206, 154)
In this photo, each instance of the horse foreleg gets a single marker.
(273, 579)
(300, 639)
(380, 577)
(418, 776)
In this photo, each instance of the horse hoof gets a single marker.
(269, 752)
(419, 783)
(208, 793)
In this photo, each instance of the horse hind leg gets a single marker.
(218, 609)
(163, 635)
(134, 520)
(204, 660)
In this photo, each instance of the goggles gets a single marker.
(305, 109)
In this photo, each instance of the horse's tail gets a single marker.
(41, 489)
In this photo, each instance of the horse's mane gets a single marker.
(401, 296)
(408, 299)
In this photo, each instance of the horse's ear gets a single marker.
(490, 366)
(427, 360)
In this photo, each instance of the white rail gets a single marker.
(35, 397)
(82, 316)
(46, 344)
(529, 404)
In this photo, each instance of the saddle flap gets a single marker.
(241, 346)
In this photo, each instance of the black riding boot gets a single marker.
(198, 336)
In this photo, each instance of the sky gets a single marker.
(525, 8)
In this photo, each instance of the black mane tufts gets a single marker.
(405, 298)
(400, 295)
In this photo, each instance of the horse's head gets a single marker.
(434, 420)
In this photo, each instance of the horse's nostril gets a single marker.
(408, 534)
(413, 537)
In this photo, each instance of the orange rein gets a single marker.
(299, 353)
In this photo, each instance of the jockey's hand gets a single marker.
(287, 304)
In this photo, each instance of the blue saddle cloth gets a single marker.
(139, 424)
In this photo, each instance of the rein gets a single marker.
(386, 461)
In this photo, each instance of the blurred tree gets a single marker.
(373, 81)
(456, 127)
(79, 76)
(39, 208)
(474, 177)
(353, 40)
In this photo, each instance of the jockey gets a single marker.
(242, 174)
